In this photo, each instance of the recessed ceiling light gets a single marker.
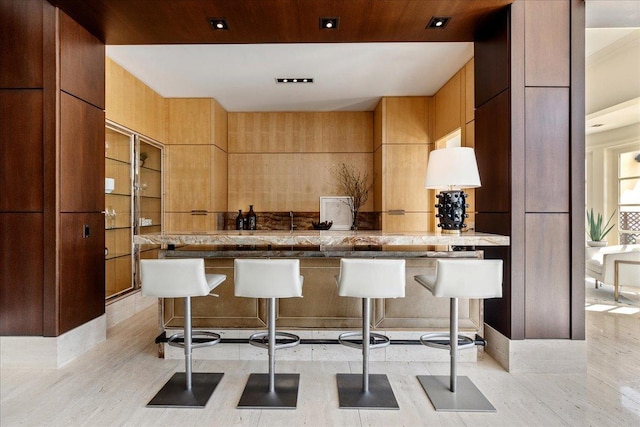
(218, 24)
(294, 80)
(329, 23)
(438, 22)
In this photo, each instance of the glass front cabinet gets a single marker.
(133, 204)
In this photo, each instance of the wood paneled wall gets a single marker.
(52, 146)
(283, 161)
(134, 105)
(530, 142)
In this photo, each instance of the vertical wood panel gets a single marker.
(448, 106)
(189, 120)
(21, 274)
(219, 125)
(577, 169)
(492, 143)
(21, 151)
(403, 170)
(547, 308)
(547, 149)
(220, 186)
(518, 188)
(21, 39)
(491, 58)
(51, 191)
(82, 58)
(188, 178)
(82, 269)
(81, 156)
(547, 42)
(469, 91)
(405, 120)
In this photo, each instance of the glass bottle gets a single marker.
(252, 219)
(240, 220)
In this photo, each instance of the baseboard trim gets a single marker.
(541, 356)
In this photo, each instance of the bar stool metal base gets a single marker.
(256, 394)
(467, 397)
(174, 394)
(352, 396)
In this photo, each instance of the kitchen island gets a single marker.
(319, 253)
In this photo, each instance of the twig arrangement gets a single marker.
(353, 183)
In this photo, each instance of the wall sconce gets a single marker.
(452, 169)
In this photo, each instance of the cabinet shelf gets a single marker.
(150, 169)
(116, 255)
(118, 160)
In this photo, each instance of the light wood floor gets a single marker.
(111, 385)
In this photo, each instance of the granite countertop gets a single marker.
(323, 239)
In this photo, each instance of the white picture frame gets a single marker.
(338, 210)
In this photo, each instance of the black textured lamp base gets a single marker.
(451, 211)
(175, 395)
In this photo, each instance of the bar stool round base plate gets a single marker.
(467, 397)
(379, 396)
(175, 395)
(256, 393)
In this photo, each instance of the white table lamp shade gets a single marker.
(452, 168)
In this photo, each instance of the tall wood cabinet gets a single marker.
(133, 204)
(401, 146)
(196, 164)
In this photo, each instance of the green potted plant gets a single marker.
(596, 231)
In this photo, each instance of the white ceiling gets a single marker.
(347, 76)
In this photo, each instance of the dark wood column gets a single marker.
(530, 146)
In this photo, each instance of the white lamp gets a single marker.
(452, 169)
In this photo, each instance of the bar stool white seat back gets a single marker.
(366, 279)
(271, 279)
(453, 279)
(183, 278)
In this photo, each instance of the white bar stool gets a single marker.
(272, 279)
(458, 278)
(183, 278)
(366, 279)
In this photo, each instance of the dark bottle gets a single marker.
(252, 219)
(240, 221)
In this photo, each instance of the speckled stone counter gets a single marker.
(323, 239)
(319, 253)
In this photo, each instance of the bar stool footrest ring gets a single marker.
(442, 340)
(261, 339)
(210, 338)
(377, 340)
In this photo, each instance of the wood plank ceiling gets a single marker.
(118, 22)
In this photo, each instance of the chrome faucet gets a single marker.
(292, 224)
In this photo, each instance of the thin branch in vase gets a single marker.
(353, 183)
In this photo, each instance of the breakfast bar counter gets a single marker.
(319, 253)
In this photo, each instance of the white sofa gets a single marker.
(614, 265)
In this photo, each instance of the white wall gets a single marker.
(612, 74)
